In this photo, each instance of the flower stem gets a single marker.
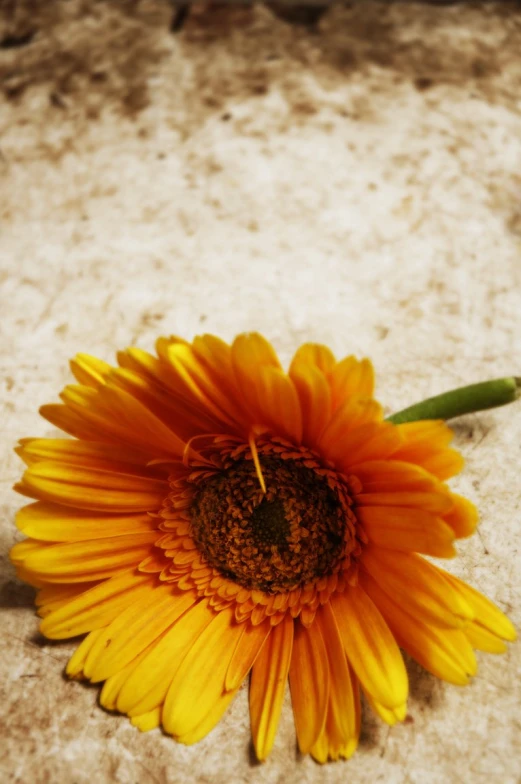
(465, 400)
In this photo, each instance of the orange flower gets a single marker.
(216, 516)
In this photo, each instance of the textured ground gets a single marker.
(357, 184)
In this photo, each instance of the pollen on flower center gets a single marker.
(273, 542)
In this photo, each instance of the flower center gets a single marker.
(273, 542)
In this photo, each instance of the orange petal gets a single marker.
(382, 476)
(268, 683)
(314, 355)
(351, 378)
(420, 587)
(246, 651)
(426, 444)
(407, 529)
(315, 400)
(372, 441)
(90, 370)
(309, 684)
(463, 517)
(339, 737)
(371, 648)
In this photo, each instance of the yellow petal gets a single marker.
(199, 682)
(207, 724)
(113, 685)
(84, 453)
(76, 663)
(246, 651)
(90, 370)
(147, 721)
(97, 606)
(195, 382)
(92, 489)
(279, 403)
(268, 683)
(483, 640)
(137, 627)
(407, 529)
(419, 586)
(485, 612)
(444, 652)
(339, 736)
(309, 684)
(55, 523)
(88, 560)
(370, 647)
(389, 715)
(148, 684)
(64, 418)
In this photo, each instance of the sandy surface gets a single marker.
(357, 184)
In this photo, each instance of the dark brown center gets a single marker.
(276, 541)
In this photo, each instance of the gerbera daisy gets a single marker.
(215, 516)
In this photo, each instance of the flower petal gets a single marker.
(89, 370)
(315, 400)
(444, 652)
(372, 441)
(407, 529)
(88, 560)
(485, 612)
(88, 488)
(370, 647)
(97, 606)
(198, 684)
(148, 683)
(246, 651)
(420, 587)
(55, 523)
(339, 737)
(463, 517)
(314, 355)
(309, 684)
(426, 443)
(382, 476)
(351, 378)
(147, 721)
(269, 393)
(268, 683)
(137, 627)
(483, 640)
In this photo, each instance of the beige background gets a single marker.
(358, 184)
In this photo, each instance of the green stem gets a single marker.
(465, 400)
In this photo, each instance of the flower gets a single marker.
(216, 516)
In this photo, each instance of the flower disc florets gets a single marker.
(271, 541)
